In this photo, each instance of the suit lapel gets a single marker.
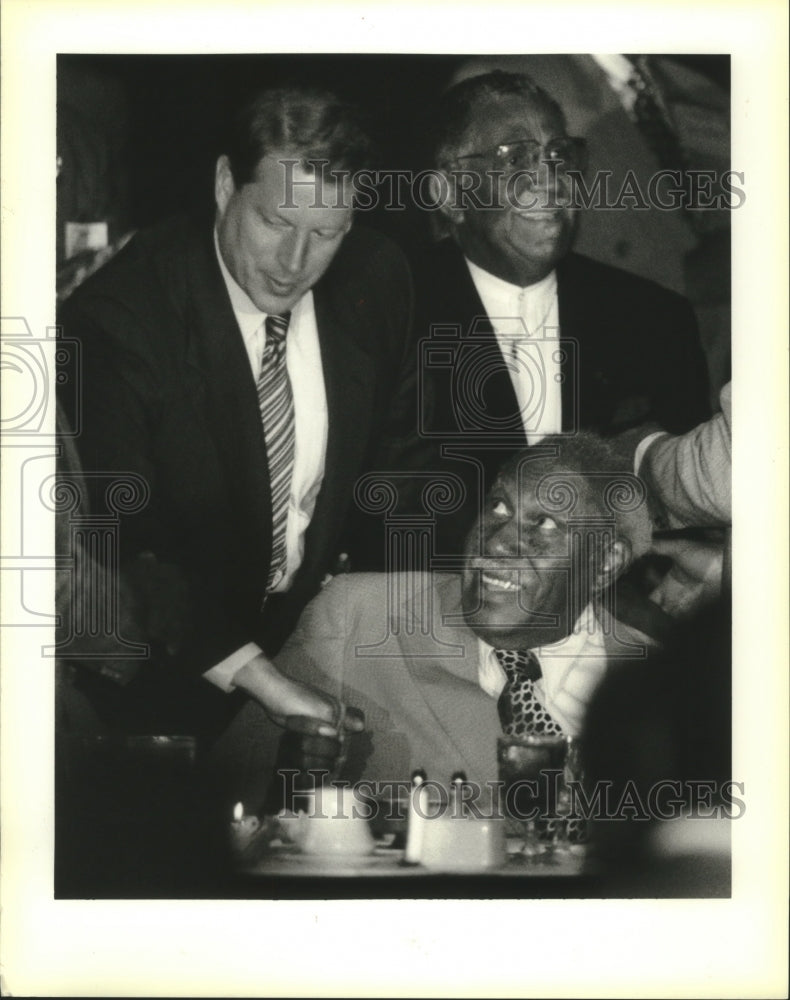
(216, 350)
(479, 352)
(585, 386)
(349, 381)
(442, 660)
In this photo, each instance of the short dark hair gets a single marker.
(306, 122)
(583, 451)
(613, 485)
(454, 110)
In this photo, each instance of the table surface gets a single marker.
(387, 862)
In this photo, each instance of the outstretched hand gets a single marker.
(695, 578)
(282, 697)
(315, 723)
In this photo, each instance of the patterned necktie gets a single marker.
(652, 120)
(520, 711)
(277, 412)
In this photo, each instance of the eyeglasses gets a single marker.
(528, 154)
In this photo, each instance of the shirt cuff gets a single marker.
(223, 673)
(642, 447)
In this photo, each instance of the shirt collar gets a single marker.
(501, 297)
(618, 68)
(587, 634)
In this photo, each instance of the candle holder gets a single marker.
(243, 829)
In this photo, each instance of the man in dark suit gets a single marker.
(245, 372)
(686, 250)
(522, 337)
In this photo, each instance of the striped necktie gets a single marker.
(277, 412)
(520, 712)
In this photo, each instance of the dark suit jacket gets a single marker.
(632, 354)
(167, 394)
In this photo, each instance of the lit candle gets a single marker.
(243, 828)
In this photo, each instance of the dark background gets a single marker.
(159, 120)
(164, 116)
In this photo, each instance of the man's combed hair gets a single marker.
(307, 123)
(455, 109)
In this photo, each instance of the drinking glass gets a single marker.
(570, 827)
(531, 769)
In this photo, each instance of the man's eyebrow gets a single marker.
(269, 214)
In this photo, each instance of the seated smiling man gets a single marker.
(443, 663)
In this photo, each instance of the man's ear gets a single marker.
(223, 184)
(444, 191)
(616, 558)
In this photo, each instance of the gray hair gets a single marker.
(457, 105)
(585, 466)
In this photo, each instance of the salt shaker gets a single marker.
(415, 818)
(457, 808)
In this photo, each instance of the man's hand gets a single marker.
(316, 724)
(694, 579)
(282, 697)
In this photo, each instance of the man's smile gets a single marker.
(280, 287)
(547, 217)
(496, 579)
(500, 581)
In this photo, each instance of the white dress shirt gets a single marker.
(526, 324)
(571, 671)
(311, 427)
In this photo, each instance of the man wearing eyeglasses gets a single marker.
(521, 336)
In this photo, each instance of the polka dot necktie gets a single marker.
(277, 413)
(520, 711)
(522, 714)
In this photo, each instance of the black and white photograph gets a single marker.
(384, 553)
